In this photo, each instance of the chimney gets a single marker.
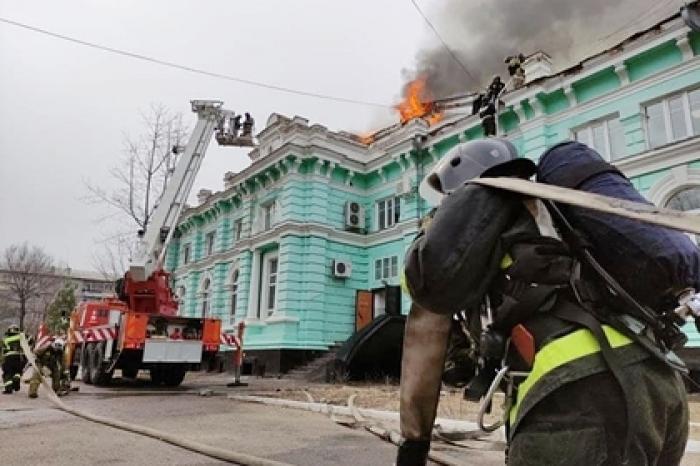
(228, 179)
(536, 66)
(203, 195)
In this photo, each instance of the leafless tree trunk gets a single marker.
(27, 276)
(143, 173)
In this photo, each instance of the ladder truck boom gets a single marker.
(151, 251)
(142, 329)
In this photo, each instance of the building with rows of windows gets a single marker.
(322, 218)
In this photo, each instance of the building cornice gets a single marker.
(274, 235)
(665, 157)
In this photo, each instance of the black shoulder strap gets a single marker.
(576, 178)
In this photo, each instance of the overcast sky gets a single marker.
(64, 108)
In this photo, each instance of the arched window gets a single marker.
(206, 295)
(686, 200)
(234, 295)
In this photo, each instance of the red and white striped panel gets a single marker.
(43, 338)
(230, 340)
(95, 334)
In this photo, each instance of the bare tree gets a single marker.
(143, 173)
(28, 279)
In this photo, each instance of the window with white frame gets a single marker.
(234, 295)
(268, 215)
(186, 250)
(206, 297)
(606, 136)
(673, 118)
(269, 285)
(238, 229)
(209, 243)
(388, 212)
(180, 295)
(386, 267)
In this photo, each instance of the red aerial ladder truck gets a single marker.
(141, 329)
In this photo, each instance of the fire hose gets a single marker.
(206, 450)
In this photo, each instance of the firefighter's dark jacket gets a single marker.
(451, 264)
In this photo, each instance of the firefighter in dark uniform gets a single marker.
(588, 393)
(12, 360)
(50, 359)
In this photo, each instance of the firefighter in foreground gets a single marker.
(498, 257)
(12, 361)
(50, 359)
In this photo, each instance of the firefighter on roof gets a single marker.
(498, 257)
(12, 360)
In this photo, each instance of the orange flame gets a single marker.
(418, 103)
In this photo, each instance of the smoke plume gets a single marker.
(481, 33)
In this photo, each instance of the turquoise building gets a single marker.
(309, 239)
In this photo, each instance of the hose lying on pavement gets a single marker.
(212, 452)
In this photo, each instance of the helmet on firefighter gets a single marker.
(481, 157)
(58, 344)
(13, 329)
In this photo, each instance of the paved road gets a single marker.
(32, 432)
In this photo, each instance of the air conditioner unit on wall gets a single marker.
(341, 269)
(354, 215)
(403, 187)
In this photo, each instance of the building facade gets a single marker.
(321, 220)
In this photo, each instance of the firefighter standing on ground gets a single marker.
(12, 360)
(50, 358)
(485, 245)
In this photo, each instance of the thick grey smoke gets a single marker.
(483, 32)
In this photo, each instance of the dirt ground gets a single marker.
(386, 397)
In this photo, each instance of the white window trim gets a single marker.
(265, 311)
(205, 293)
(381, 262)
(207, 235)
(664, 101)
(230, 288)
(187, 258)
(588, 128)
(259, 223)
(395, 200)
(238, 232)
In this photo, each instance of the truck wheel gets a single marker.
(156, 375)
(98, 374)
(173, 376)
(86, 362)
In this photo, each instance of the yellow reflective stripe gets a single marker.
(404, 285)
(11, 339)
(506, 262)
(562, 351)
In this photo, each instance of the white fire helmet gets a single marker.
(482, 157)
(58, 344)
